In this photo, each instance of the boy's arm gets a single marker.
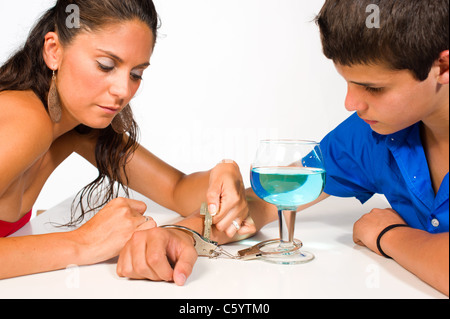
(425, 255)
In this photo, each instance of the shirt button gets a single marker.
(435, 222)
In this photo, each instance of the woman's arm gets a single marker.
(166, 185)
(101, 238)
(34, 254)
(425, 255)
(155, 179)
(221, 186)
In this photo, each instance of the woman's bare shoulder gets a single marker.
(20, 101)
(25, 133)
(24, 123)
(23, 111)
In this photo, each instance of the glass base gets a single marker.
(275, 251)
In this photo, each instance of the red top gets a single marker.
(7, 229)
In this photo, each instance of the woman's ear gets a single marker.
(443, 65)
(52, 51)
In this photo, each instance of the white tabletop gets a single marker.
(341, 269)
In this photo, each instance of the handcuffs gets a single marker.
(209, 248)
(206, 247)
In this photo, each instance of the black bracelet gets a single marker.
(384, 232)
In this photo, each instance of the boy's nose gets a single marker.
(354, 101)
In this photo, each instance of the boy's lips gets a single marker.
(370, 122)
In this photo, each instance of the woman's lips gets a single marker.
(110, 109)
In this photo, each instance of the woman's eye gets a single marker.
(105, 67)
(136, 76)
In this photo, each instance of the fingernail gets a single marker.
(212, 209)
(180, 280)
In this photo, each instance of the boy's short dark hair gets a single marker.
(409, 35)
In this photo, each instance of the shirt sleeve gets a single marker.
(347, 156)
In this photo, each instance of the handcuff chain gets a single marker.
(211, 249)
(220, 252)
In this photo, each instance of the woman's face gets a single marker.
(101, 71)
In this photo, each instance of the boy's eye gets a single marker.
(373, 90)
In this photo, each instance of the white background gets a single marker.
(224, 74)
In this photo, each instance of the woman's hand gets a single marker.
(227, 201)
(369, 226)
(111, 228)
(149, 254)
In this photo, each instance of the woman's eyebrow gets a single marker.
(120, 60)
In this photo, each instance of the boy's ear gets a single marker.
(52, 52)
(443, 64)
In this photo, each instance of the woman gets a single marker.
(72, 84)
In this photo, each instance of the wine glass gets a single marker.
(287, 174)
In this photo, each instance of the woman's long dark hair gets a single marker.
(27, 70)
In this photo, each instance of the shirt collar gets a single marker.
(399, 138)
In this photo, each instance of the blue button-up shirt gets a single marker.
(361, 163)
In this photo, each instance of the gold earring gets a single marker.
(123, 121)
(53, 102)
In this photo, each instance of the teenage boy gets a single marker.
(396, 65)
(396, 143)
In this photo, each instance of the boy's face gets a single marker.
(388, 100)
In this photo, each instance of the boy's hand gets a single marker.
(150, 254)
(369, 226)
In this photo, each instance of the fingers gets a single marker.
(231, 226)
(241, 228)
(137, 206)
(213, 198)
(225, 189)
(144, 258)
(184, 266)
(227, 201)
(150, 254)
(227, 205)
(247, 227)
(137, 209)
(148, 223)
(232, 221)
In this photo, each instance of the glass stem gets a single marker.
(286, 223)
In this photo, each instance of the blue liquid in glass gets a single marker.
(288, 187)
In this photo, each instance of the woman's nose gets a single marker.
(120, 87)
